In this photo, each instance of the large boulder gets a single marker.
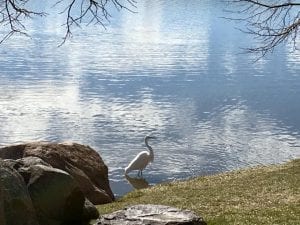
(55, 194)
(151, 214)
(82, 162)
(16, 207)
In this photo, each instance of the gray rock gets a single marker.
(16, 207)
(22, 165)
(151, 215)
(89, 211)
(30, 161)
(55, 195)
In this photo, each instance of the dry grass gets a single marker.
(261, 195)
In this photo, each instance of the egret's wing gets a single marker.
(139, 162)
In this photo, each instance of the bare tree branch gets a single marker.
(270, 22)
(13, 13)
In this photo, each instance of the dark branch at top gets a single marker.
(13, 13)
(270, 22)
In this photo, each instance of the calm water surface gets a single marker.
(174, 70)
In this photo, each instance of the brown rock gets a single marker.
(82, 162)
(151, 214)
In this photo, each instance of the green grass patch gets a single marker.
(260, 195)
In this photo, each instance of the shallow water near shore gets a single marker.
(172, 70)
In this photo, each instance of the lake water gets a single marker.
(174, 70)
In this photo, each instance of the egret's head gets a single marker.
(149, 137)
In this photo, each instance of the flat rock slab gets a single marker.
(151, 215)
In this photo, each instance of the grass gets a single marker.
(260, 195)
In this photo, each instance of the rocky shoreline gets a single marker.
(44, 183)
(51, 183)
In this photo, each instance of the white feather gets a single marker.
(142, 159)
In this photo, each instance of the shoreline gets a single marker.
(268, 194)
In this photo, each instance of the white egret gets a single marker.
(142, 159)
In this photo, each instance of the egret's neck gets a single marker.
(150, 149)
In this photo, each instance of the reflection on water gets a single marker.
(137, 182)
(162, 70)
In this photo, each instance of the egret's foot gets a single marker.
(140, 173)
